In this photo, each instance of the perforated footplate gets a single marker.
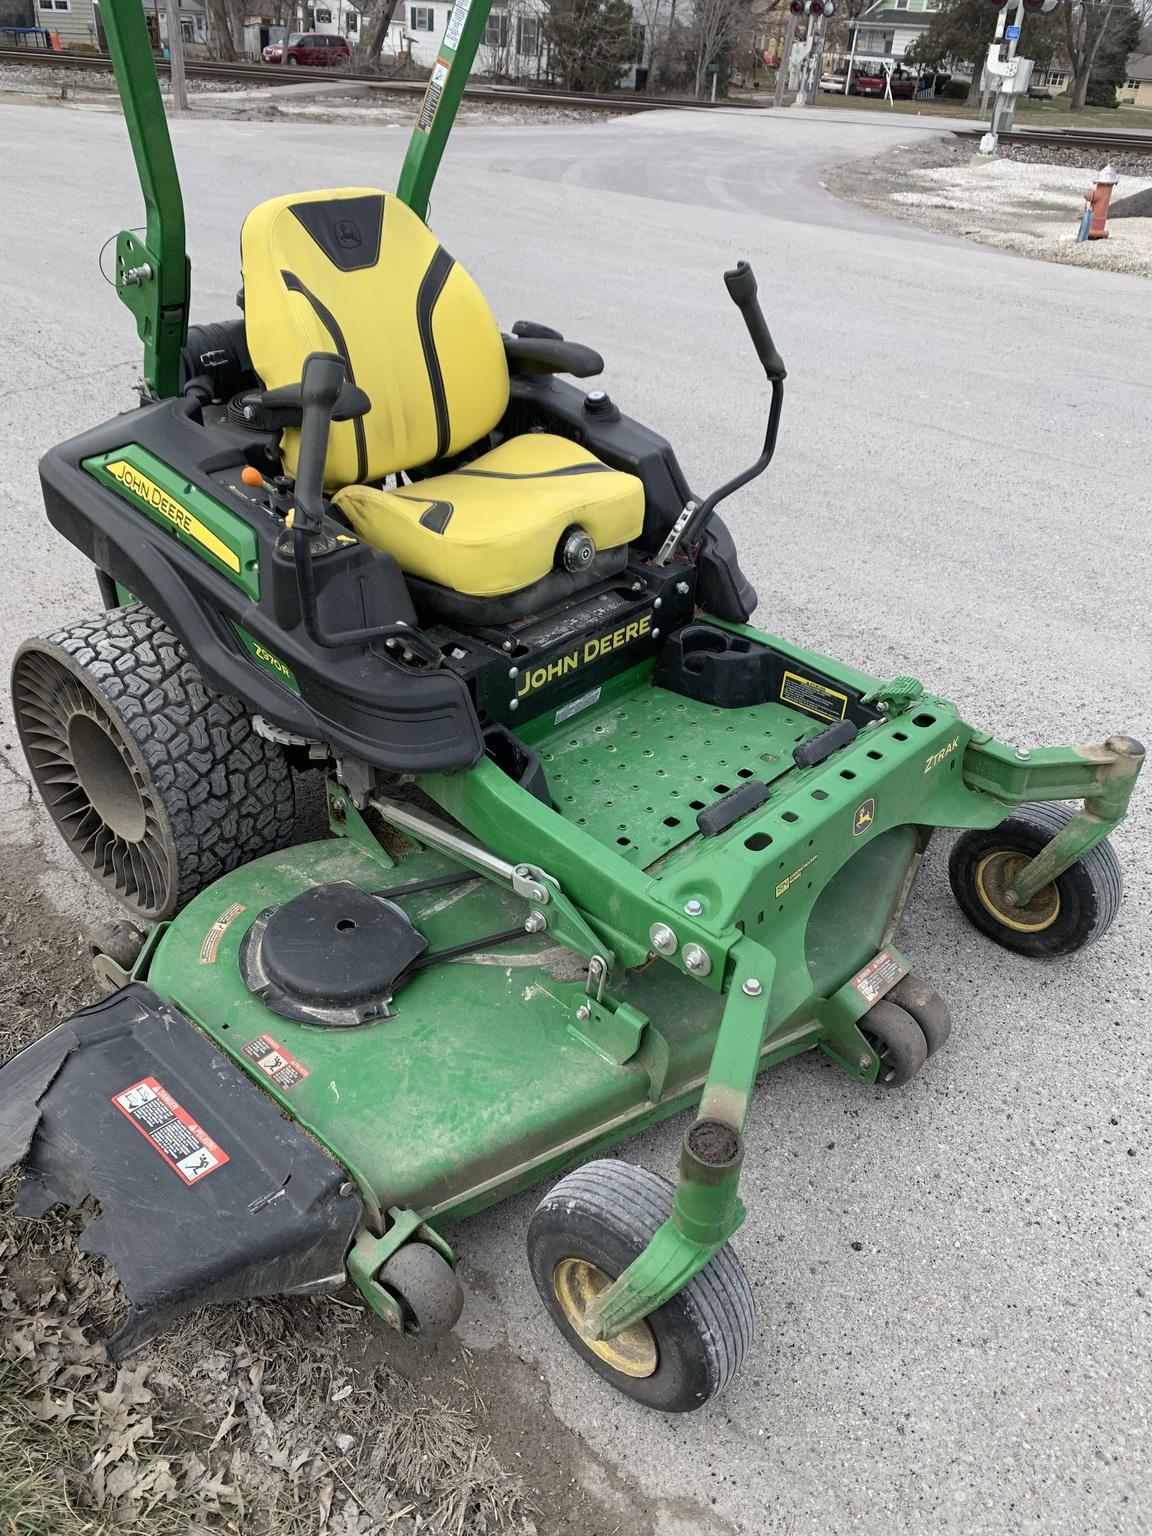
(634, 771)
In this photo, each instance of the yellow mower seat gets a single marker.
(494, 527)
(356, 272)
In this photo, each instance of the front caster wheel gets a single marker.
(584, 1233)
(425, 1285)
(1068, 914)
(898, 1041)
(926, 1006)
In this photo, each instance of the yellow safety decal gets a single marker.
(590, 650)
(812, 697)
(938, 757)
(168, 507)
(795, 875)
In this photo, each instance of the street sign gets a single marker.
(1012, 34)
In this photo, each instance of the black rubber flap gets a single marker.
(336, 944)
(206, 1192)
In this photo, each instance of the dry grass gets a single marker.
(249, 1419)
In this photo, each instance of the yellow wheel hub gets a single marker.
(994, 876)
(577, 1283)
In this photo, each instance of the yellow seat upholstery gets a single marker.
(494, 526)
(356, 272)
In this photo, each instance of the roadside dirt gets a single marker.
(280, 1418)
(1024, 205)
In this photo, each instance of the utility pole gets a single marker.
(785, 58)
(178, 102)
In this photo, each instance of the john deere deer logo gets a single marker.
(347, 233)
(864, 817)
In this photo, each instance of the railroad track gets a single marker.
(273, 74)
(1069, 138)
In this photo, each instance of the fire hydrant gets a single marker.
(1097, 202)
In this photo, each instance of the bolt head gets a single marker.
(658, 602)
(696, 960)
(513, 703)
(1023, 754)
(583, 1012)
(752, 987)
(535, 922)
(693, 907)
(513, 671)
(864, 1063)
(655, 634)
(347, 1188)
(682, 588)
(507, 646)
(664, 941)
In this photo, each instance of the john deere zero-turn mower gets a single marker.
(600, 850)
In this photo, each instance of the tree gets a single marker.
(590, 42)
(1111, 67)
(714, 28)
(375, 20)
(961, 31)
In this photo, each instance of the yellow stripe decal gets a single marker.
(168, 507)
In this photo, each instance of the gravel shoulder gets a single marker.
(1014, 201)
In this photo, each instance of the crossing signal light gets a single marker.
(1041, 7)
(821, 7)
(797, 7)
(999, 5)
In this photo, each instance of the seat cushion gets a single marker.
(495, 526)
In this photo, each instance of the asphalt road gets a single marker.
(951, 1279)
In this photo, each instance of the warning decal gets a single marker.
(812, 697)
(184, 1145)
(456, 22)
(284, 1070)
(432, 95)
(217, 931)
(878, 976)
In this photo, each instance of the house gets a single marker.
(887, 29)
(77, 23)
(1137, 88)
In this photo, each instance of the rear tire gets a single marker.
(584, 1234)
(158, 785)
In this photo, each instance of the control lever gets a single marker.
(688, 527)
(321, 386)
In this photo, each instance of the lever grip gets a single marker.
(320, 386)
(741, 285)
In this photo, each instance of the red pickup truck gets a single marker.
(903, 86)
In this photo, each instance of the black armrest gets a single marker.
(548, 354)
(284, 407)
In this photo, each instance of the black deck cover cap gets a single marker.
(336, 944)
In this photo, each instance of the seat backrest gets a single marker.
(356, 272)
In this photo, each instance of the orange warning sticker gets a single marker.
(217, 931)
(282, 1067)
(183, 1144)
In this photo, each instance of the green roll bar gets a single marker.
(153, 274)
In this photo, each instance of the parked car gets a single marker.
(829, 81)
(314, 50)
(903, 86)
(274, 52)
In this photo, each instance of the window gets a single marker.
(1055, 77)
(420, 18)
(496, 30)
(350, 23)
(901, 5)
(323, 18)
(54, 5)
(528, 36)
(1133, 85)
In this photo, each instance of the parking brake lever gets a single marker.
(688, 527)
